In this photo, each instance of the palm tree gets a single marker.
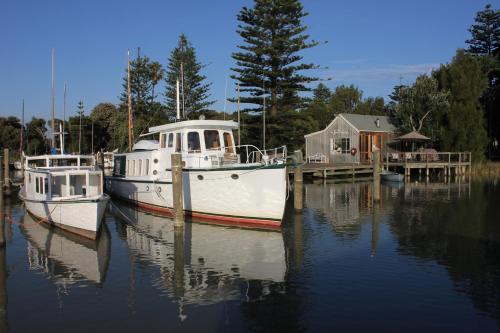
(157, 74)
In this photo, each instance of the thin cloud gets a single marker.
(349, 61)
(381, 72)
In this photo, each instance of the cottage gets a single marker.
(349, 138)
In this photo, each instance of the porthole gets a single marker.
(200, 177)
(155, 172)
(147, 188)
(155, 160)
(159, 188)
(235, 176)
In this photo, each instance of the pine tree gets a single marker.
(141, 86)
(195, 93)
(269, 61)
(485, 33)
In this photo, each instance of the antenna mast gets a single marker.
(182, 91)
(177, 100)
(64, 119)
(129, 106)
(22, 135)
(53, 104)
(264, 114)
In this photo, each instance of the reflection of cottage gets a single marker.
(348, 131)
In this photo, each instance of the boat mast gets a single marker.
(239, 129)
(182, 91)
(177, 100)
(53, 105)
(22, 135)
(129, 106)
(64, 119)
(264, 114)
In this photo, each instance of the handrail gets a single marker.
(429, 157)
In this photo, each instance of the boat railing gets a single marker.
(252, 154)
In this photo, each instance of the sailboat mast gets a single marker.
(64, 120)
(53, 105)
(21, 135)
(239, 128)
(129, 105)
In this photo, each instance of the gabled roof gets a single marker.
(363, 123)
(368, 123)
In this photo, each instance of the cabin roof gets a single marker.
(367, 123)
(200, 124)
(362, 123)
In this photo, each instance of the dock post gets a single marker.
(1, 181)
(6, 178)
(177, 190)
(298, 182)
(376, 176)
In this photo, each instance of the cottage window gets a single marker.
(346, 145)
(193, 142)
(170, 140)
(212, 141)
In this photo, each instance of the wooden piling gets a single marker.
(298, 182)
(101, 157)
(1, 180)
(6, 177)
(2, 220)
(177, 190)
(376, 175)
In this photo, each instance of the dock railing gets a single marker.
(461, 158)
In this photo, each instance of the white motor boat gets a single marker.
(65, 191)
(223, 183)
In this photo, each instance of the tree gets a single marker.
(463, 123)
(141, 86)
(157, 74)
(319, 107)
(374, 106)
(36, 137)
(10, 128)
(485, 33)
(104, 117)
(419, 107)
(269, 61)
(194, 92)
(345, 99)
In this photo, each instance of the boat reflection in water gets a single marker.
(205, 264)
(64, 257)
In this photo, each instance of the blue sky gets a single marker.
(372, 44)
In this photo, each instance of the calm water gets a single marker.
(427, 258)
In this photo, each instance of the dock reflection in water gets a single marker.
(204, 263)
(63, 257)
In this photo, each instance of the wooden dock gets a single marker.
(447, 164)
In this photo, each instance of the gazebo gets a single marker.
(408, 140)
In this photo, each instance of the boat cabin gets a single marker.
(202, 143)
(60, 177)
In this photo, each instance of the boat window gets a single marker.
(194, 142)
(178, 142)
(29, 178)
(170, 140)
(140, 167)
(77, 184)
(146, 168)
(45, 185)
(58, 186)
(133, 168)
(228, 142)
(128, 167)
(212, 141)
(163, 139)
(37, 186)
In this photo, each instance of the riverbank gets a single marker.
(486, 169)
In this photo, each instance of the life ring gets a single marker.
(353, 151)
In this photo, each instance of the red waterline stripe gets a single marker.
(226, 220)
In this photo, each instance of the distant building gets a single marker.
(347, 131)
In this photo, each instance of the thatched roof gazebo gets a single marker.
(412, 136)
